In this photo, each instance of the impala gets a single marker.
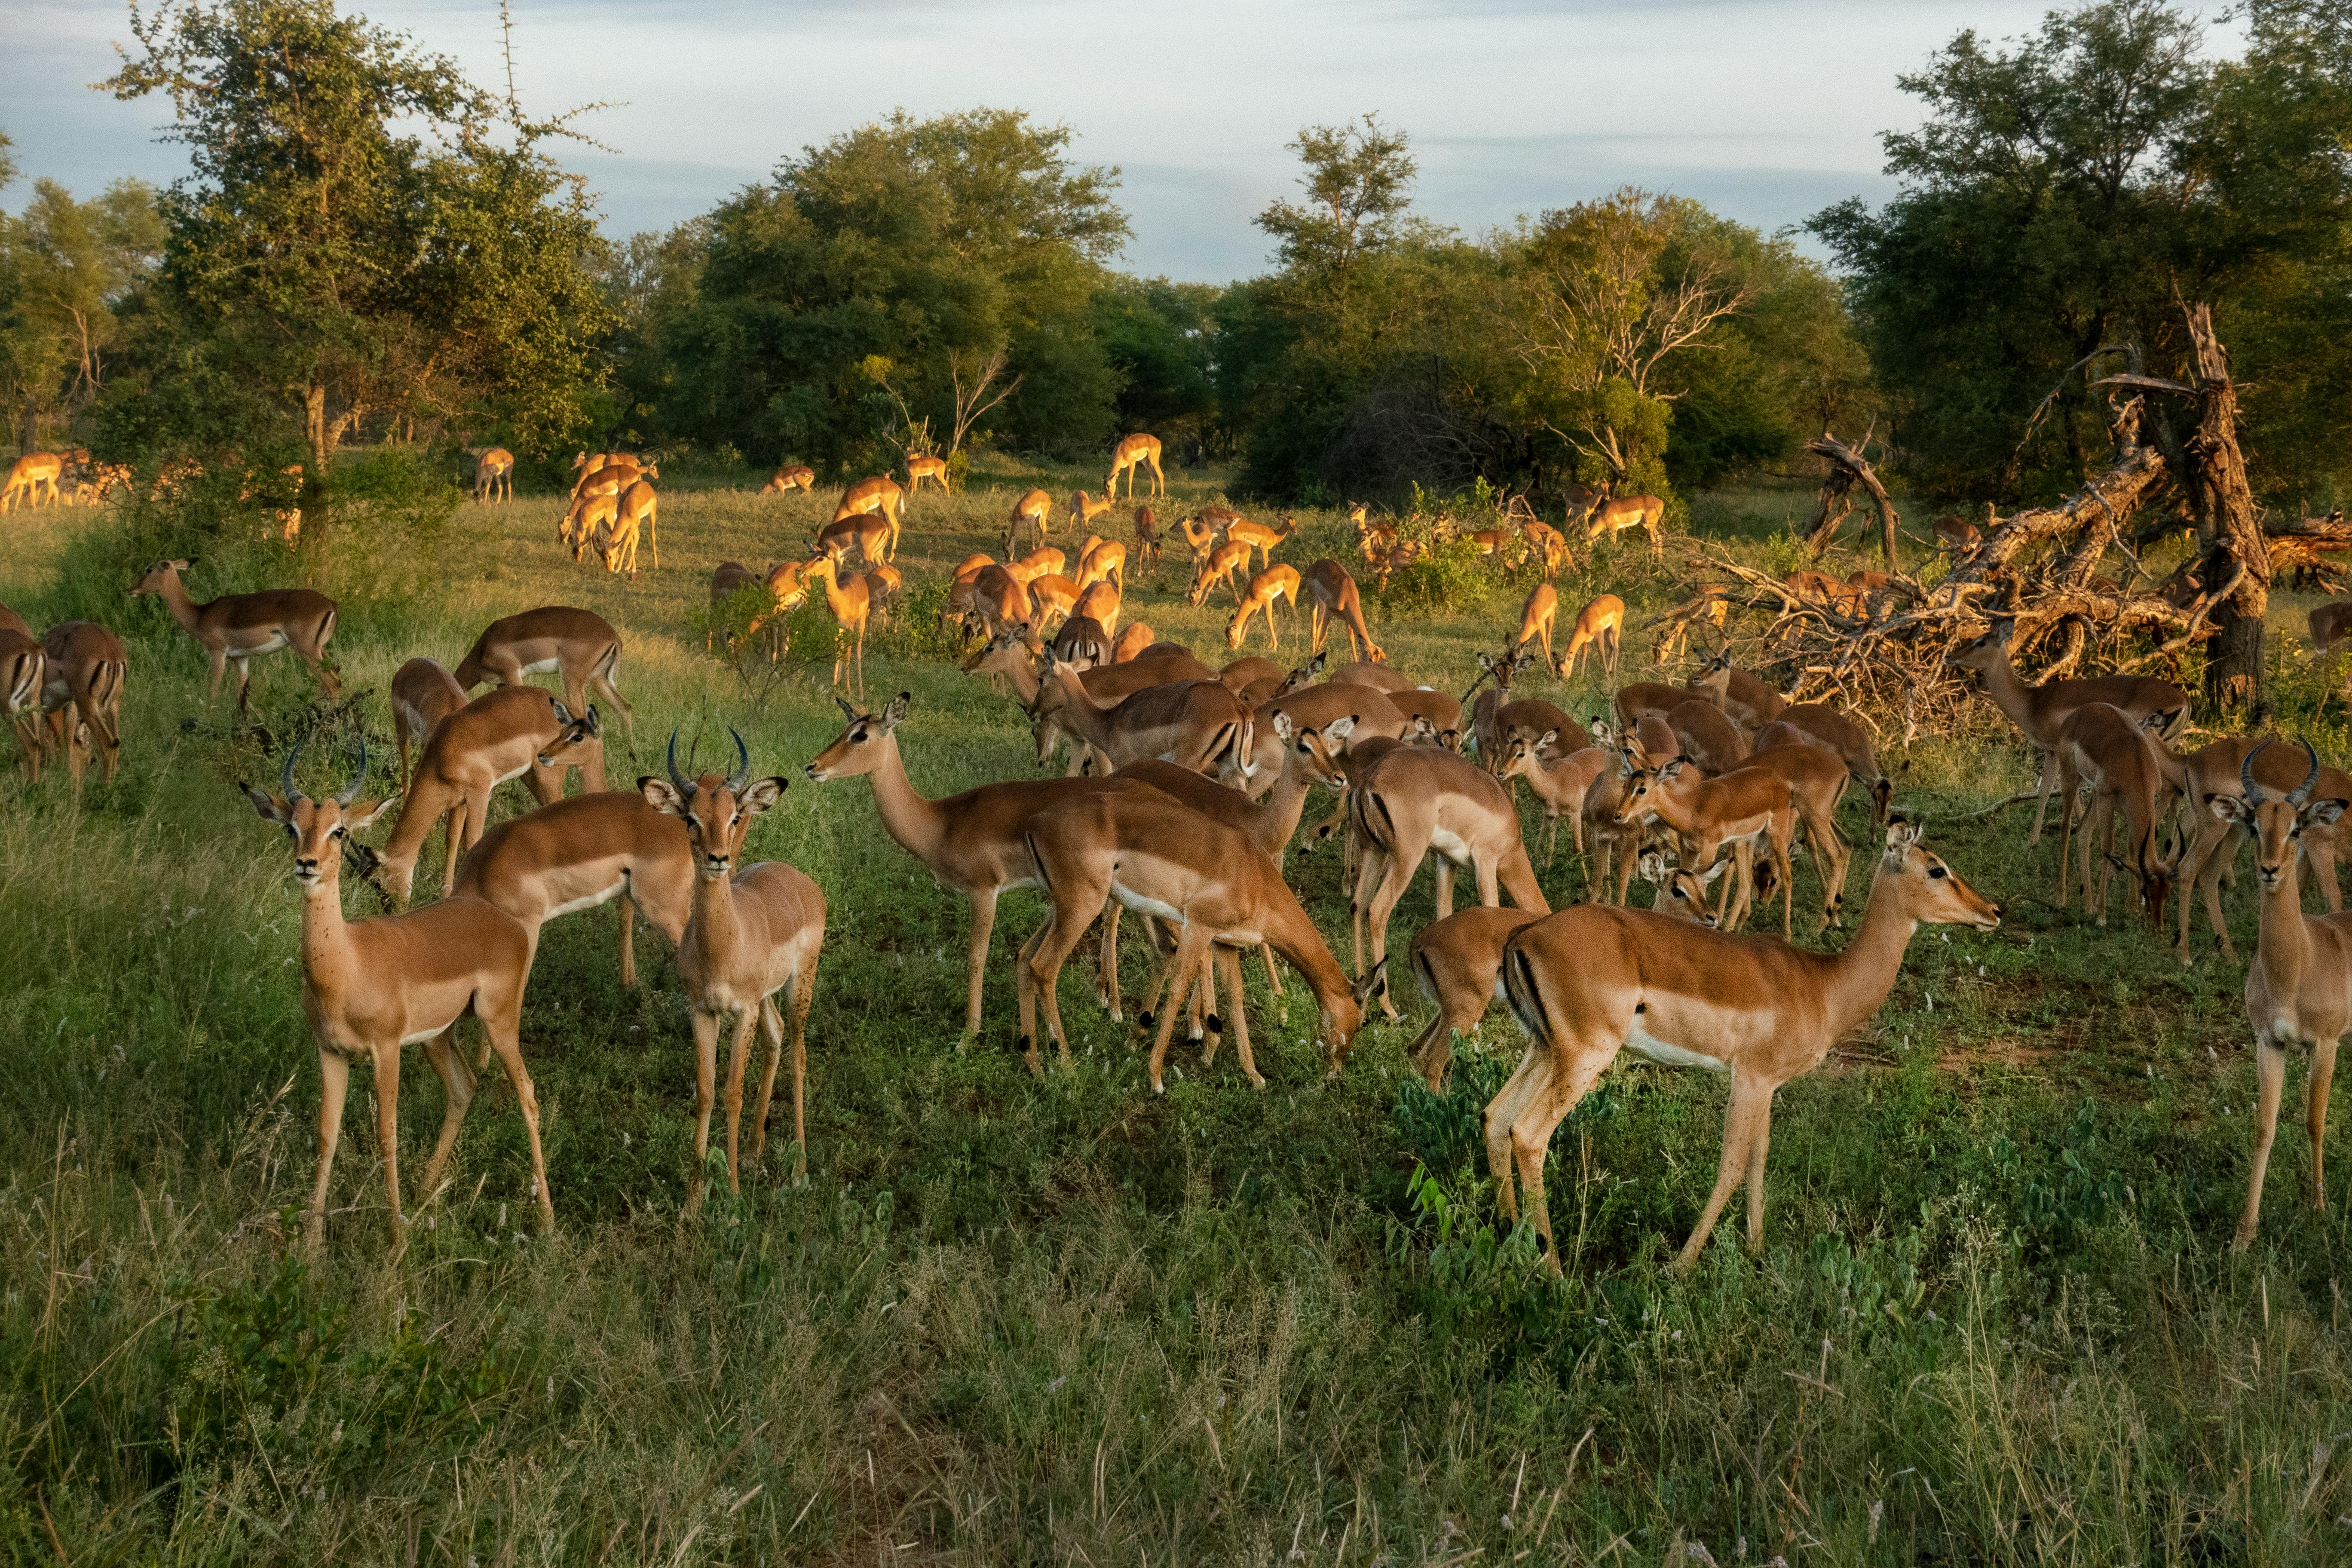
(1955, 533)
(1562, 786)
(2299, 987)
(29, 476)
(852, 603)
(1035, 506)
(1082, 644)
(1411, 801)
(1265, 590)
(974, 843)
(1749, 703)
(1816, 780)
(85, 666)
(1707, 813)
(1200, 538)
(1333, 599)
(1147, 536)
(1008, 656)
(1131, 643)
(879, 495)
(494, 476)
(1592, 980)
(2218, 770)
(2099, 745)
(424, 693)
(867, 533)
(1486, 704)
(634, 517)
(799, 477)
(1223, 564)
(580, 645)
(1105, 562)
(1158, 857)
(1259, 537)
(1837, 733)
(1196, 724)
(1536, 619)
(241, 626)
(1613, 517)
(23, 675)
(1137, 450)
(1598, 626)
(1085, 508)
(1367, 715)
(497, 737)
(1052, 597)
(1706, 736)
(579, 853)
(1099, 602)
(605, 481)
(926, 467)
(754, 932)
(2041, 711)
(370, 987)
(1457, 962)
(1546, 542)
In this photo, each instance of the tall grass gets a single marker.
(1013, 1321)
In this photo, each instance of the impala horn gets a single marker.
(676, 779)
(2300, 797)
(350, 791)
(286, 786)
(2252, 791)
(741, 776)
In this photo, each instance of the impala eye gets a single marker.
(1936, 871)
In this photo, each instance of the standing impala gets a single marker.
(1536, 619)
(1137, 451)
(497, 737)
(2099, 745)
(1598, 627)
(971, 843)
(2299, 987)
(85, 668)
(2218, 770)
(2041, 711)
(424, 693)
(24, 675)
(1196, 724)
(1036, 507)
(494, 476)
(580, 645)
(240, 625)
(578, 852)
(1592, 980)
(1738, 809)
(754, 932)
(370, 987)
(926, 467)
(1334, 599)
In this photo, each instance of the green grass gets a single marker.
(1007, 1321)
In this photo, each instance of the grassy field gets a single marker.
(1013, 1320)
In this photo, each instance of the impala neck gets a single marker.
(1859, 977)
(174, 595)
(715, 930)
(918, 825)
(1080, 712)
(328, 964)
(1290, 933)
(2282, 948)
(1023, 676)
(2008, 693)
(1279, 818)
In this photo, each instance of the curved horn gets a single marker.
(676, 779)
(2300, 797)
(2246, 775)
(350, 791)
(286, 783)
(742, 774)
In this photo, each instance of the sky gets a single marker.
(1765, 110)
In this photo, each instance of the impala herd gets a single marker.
(1185, 788)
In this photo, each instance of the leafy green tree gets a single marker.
(363, 232)
(76, 267)
(1160, 341)
(955, 259)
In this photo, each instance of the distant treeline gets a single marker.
(401, 256)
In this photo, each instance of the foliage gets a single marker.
(1161, 340)
(961, 251)
(2065, 194)
(70, 273)
(363, 232)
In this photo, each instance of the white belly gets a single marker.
(1143, 906)
(590, 901)
(1668, 1056)
(269, 643)
(1448, 842)
(542, 666)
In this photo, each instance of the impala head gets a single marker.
(2275, 822)
(158, 573)
(1304, 674)
(574, 737)
(1522, 753)
(1007, 651)
(1339, 1017)
(1934, 893)
(1988, 651)
(718, 811)
(859, 749)
(317, 827)
(1320, 754)
(1644, 784)
(1682, 894)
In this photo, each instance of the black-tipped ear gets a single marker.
(896, 713)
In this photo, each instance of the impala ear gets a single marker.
(1901, 835)
(1486, 664)
(661, 796)
(1339, 729)
(363, 814)
(1282, 725)
(2320, 814)
(595, 722)
(1550, 738)
(896, 713)
(1371, 982)
(270, 807)
(562, 714)
(1653, 866)
(761, 793)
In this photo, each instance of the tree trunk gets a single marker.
(1848, 467)
(2224, 507)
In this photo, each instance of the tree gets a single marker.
(1359, 180)
(74, 268)
(964, 250)
(362, 231)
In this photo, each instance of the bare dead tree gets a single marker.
(973, 377)
(1848, 467)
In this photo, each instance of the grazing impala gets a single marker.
(85, 667)
(1138, 450)
(1105, 563)
(23, 675)
(1333, 599)
(582, 852)
(880, 495)
(497, 737)
(754, 932)
(920, 468)
(974, 843)
(1704, 735)
(1266, 589)
(1598, 627)
(1417, 799)
(799, 477)
(29, 476)
(1158, 856)
(1196, 724)
(580, 645)
(241, 626)
(424, 693)
(370, 987)
(1707, 813)
(494, 476)
(1259, 537)
(1746, 700)
(1835, 732)
(1222, 564)
(1457, 962)
(1085, 508)
(1613, 517)
(2041, 711)
(1147, 536)
(2299, 987)
(1592, 980)
(1536, 617)
(2099, 745)
(1099, 602)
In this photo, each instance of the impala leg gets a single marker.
(771, 1031)
(1399, 876)
(1758, 1144)
(457, 1084)
(334, 1083)
(387, 1139)
(508, 1043)
(1229, 961)
(2048, 776)
(244, 685)
(1751, 1105)
(1780, 843)
(2322, 855)
(739, 1058)
(706, 1084)
(1273, 970)
(628, 942)
(2315, 1116)
(217, 659)
(2270, 1066)
(1189, 945)
(983, 922)
(1444, 893)
(803, 994)
(1540, 1115)
(2216, 843)
(1107, 971)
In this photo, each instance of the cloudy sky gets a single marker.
(1766, 109)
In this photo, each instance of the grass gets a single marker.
(1007, 1321)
